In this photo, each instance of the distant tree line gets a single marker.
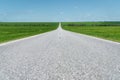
(22, 24)
(92, 24)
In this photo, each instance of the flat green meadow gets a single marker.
(106, 30)
(16, 30)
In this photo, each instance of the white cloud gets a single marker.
(76, 7)
(61, 13)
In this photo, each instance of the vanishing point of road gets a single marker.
(60, 55)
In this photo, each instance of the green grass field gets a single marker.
(11, 31)
(106, 30)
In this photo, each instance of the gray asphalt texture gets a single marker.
(60, 55)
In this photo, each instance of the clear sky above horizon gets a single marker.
(59, 10)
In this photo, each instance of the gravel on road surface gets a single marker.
(60, 55)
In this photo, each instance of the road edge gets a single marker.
(98, 38)
(25, 38)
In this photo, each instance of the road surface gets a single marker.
(60, 55)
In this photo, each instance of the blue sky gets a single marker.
(59, 10)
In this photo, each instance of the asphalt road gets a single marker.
(60, 55)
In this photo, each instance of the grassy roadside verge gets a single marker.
(110, 31)
(12, 31)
